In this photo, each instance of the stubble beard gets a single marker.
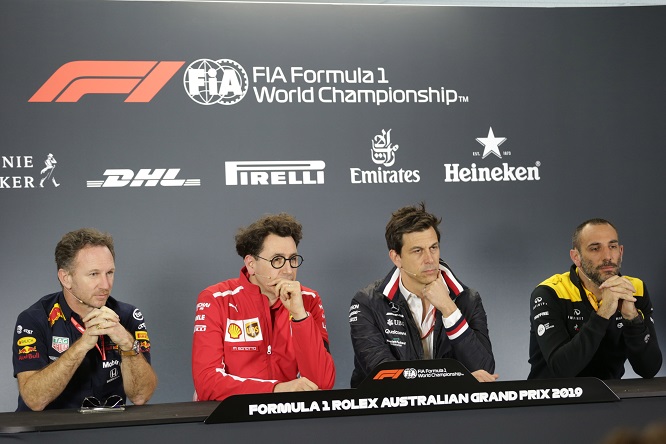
(595, 275)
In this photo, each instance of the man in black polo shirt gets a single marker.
(81, 342)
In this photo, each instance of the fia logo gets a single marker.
(409, 373)
(222, 81)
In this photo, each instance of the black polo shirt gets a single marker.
(47, 329)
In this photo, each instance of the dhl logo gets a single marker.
(27, 349)
(386, 374)
(55, 314)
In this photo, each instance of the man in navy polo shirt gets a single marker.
(81, 342)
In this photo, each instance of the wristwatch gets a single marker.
(132, 351)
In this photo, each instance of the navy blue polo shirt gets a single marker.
(45, 331)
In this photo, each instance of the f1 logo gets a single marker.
(140, 79)
(385, 374)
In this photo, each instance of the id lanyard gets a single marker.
(429, 332)
(83, 330)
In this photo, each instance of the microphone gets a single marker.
(265, 277)
(75, 297)
(408, 272)
(80, 300)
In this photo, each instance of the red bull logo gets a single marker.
(145, 346)
(55, 314)
(27, 349)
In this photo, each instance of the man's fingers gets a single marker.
(484, 376)
(627, 297)
(93, 314)
(618, 281)
(308, 385)
(104, 314)
(112, 314)
(284, 290)
(301, 384)
(621, 293)
(287, 289)
(99, 326)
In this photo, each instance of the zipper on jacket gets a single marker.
(266, 312)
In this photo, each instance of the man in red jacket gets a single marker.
(263, 331)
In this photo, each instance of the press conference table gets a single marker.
(642, 402)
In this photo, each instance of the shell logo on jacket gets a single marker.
(243, 330)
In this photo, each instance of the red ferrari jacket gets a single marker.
(243, 345)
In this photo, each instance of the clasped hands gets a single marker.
(105, 322)
(617, 293)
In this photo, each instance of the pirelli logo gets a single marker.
(277, 172)
(389, 374)
(140, 80)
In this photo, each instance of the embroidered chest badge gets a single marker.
(60, 344)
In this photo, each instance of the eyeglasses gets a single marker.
(278, 262)
(113, 403)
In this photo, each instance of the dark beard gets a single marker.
(594, 274)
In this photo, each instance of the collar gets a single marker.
(255, 290)
(57, 309)
(575, 278)
(391, 284)
(405, 293)
(412, 298)
(244, 278)
(67, 311)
